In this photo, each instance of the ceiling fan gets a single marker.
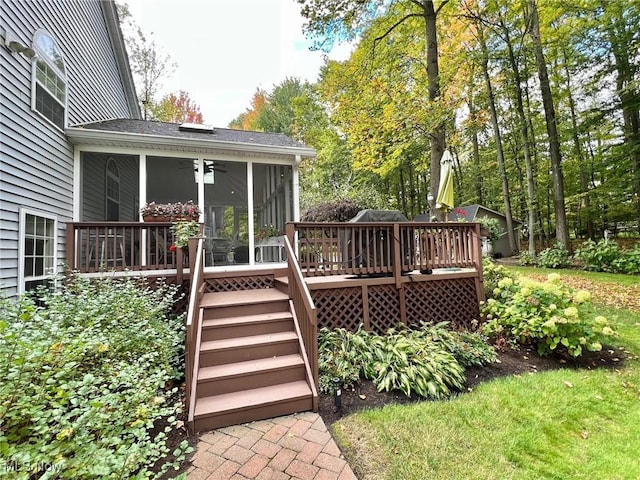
(209, 166)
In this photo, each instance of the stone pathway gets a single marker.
(293, 447)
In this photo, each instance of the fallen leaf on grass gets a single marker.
(568, 384)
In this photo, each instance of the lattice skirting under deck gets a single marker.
(339, 308)
(378, 307)
(454, 301)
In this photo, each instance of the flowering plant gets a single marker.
(185, 210)
(267, 231)
(153, 209)
(178, 210)
(182, 232)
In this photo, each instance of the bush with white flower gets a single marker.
(549, 315)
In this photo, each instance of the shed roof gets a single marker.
(472, 212)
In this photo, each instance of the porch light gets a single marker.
(337, 392)
(13, 44)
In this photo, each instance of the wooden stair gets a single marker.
(250, 362)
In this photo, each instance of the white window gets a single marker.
(112, 189)
(37, 249)
(49, 85)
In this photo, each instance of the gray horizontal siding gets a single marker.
(94, 184)
(36, 159)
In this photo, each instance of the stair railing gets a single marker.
(305, 314)
(194, 325)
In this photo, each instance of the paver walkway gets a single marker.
(292, 447)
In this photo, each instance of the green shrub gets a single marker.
(492, 225)
(527, 259)
(548, 315)
(86, 375)
(599, 257)
(629, 262)
(492, 274)
(554, 257)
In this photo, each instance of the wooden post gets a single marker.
(397, 265)
(366, 319)
(290, 233)
(193, 251)
(70, 249)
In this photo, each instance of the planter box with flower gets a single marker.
(269, 235)
(167, 212)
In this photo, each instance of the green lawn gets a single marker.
(562, 424)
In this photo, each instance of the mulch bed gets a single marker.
(511, 362)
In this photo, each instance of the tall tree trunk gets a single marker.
(577, 148)
(524, 133)
(543, 233)
(562, 232)
(498, 138)
(628, 93)
(473, 115)
(437, 141)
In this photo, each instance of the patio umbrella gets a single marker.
(445, 191)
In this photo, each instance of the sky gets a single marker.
(226, 49)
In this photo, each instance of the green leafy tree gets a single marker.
(336, 20)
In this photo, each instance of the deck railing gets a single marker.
(372, 248)
(380, 248)
(98, 246)
(306, 316)
(193, 323)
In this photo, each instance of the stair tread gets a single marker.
(246, 319)
(242, 297)
(248, 341)
(229, 402)
(249, 366)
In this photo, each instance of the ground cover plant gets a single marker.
(88, 381)
(428, 362)
(578, 418)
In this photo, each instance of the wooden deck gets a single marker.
(251, 348)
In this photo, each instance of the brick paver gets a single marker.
(301, 470)
(291, 447)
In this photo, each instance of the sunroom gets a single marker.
(245, 184)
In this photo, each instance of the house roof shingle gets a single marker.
(172, 130)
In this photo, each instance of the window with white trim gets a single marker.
(49, 86)
(112, 191)
(38, 248)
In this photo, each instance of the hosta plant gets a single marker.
(549, 315)
(340, 355)
(413, 365)
(427, 361)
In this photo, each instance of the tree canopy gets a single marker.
(539, 104)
